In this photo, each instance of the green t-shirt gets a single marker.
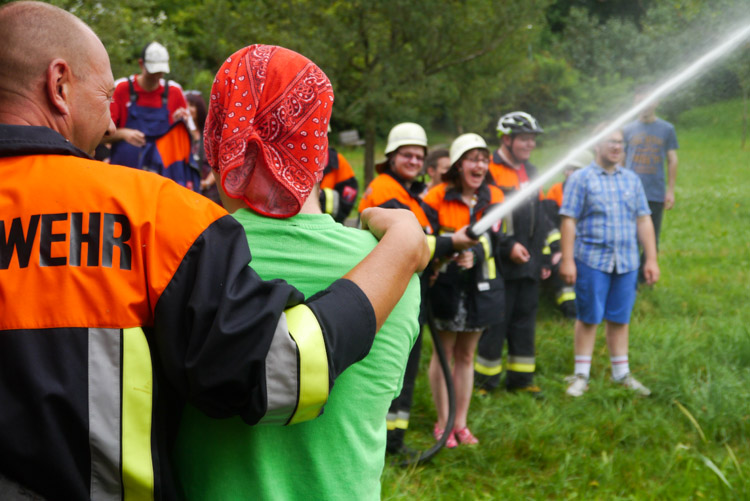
(339, 455)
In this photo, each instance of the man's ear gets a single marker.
(59, 80)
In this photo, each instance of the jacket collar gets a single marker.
(415, 189)
(16, 140)
(483, 195)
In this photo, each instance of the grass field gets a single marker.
(690, 343)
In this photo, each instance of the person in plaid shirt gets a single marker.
(603, 217)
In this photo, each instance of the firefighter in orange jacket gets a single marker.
(397, 187)
(124, 295)
(565, 295)
(339, 187)
(468, 292)
(524, 260)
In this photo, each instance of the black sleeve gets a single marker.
(340, 308)
(215, 322)
(506, 244)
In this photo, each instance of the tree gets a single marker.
(383, 55)
(126, 27)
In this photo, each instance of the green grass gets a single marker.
(690, 343)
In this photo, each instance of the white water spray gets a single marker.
(502, 210)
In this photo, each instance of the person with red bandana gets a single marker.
(524, 261)
(341, 454)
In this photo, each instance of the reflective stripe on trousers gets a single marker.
(521, 364)
(488, 367)
(397, 420)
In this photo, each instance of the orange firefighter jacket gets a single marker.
(390, 192)
(123, 295)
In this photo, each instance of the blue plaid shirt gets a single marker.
(605, 207)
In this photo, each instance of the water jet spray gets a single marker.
(505, 208)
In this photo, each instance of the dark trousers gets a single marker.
(398, 414)
(521, 301)
(657, 212)
(564, 294)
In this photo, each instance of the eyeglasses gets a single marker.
(412, 156)
(478, 160)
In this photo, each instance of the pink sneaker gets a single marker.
(450, 443)
(465, 436)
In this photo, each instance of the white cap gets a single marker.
(464, 143)
(156, 58)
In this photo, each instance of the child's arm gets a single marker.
(647, 237)
(567, 237)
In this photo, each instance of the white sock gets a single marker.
(620, 367)
(583, 365)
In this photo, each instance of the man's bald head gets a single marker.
(55, 73)
(35, 34)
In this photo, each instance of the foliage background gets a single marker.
(451, 65)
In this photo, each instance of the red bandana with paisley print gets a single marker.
(267, 128)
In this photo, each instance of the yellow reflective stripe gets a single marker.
(137, 403)
(488, 257)
(401, 424)
(546, 250)
(431, 242)
(517, 367)
(397, 424)
(553, 237)
(329, 200)
(566, 296)
(313, 362)
(488, 371)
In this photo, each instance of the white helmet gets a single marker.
(464, 143)
(406, 134)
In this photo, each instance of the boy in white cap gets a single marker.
(144, 107)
